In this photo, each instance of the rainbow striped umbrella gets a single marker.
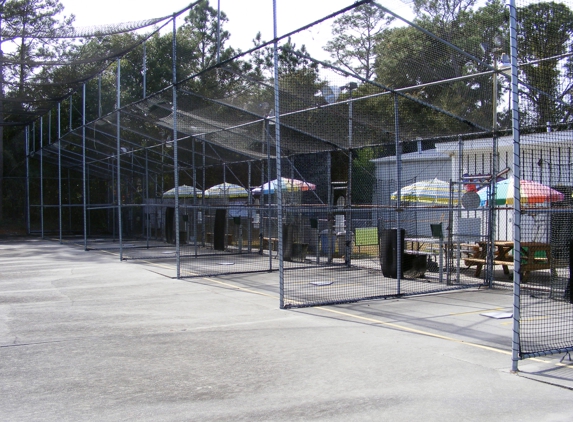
(288, 185)
(531, 193)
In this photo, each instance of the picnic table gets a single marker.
(534, 256)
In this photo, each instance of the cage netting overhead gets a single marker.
(443, 77)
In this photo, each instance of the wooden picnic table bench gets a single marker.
(529, 260)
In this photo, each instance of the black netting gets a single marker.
(364, 178)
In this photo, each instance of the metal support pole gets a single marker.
(60, 172)
(27, 148)
(84, 177)
(348, 234)
(226, 225)
(147, 208)
(278, 155)
(194, 199)
(399, 204)
(118, 155)
(330, 217)
(113, 210)
(203, 196)
(493, 181)
(515, 342)
(175, 152)
(441, 258)
(88, 200)
(269, 220)
(69, 201)
(42, 177)
(99, 95)
(250, 215)
(459, 207)
(261, 220)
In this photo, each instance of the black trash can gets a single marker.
(388, 244)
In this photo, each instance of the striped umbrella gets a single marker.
(184, 192)
(531, 193)
(226, 190)
(433, 191)
(288, 185)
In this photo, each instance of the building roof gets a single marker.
(427, 155)
(560, 138)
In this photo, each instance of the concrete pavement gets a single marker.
(84, 337)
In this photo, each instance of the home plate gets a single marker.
(497, 315)
(321, 283)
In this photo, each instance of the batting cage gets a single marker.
(412, 152)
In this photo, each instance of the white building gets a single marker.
(546, 158)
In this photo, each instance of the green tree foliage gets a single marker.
(25, 46)
(32, 25)
(363, 176)
(291, 59)
(355, 35)
(201, 44)
(201, 34)
(298, 76)
(407, 57)
(442, 13)
(545, 33)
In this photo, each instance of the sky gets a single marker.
(246, 17)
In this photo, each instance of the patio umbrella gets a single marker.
(531, 193)
(226, 190)
(288, 185)
(184, 192)
(433, 191)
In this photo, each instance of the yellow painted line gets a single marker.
(387, 324)
(379, 322)
(477, 312)
(154, 264)
(165, 266)
(223, 283)
(416, 331)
